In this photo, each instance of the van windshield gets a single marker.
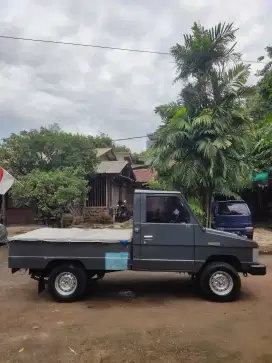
(233, 209)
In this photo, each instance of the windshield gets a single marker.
(233, 209)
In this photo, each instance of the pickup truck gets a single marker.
(166, 236)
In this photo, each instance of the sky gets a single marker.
(91, 90)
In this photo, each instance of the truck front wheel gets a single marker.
(220, 281)
(67, 283)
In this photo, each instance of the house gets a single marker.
(113, 182)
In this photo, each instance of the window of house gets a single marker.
(163, 209)
(97, 196)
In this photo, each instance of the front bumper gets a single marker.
(256, 269)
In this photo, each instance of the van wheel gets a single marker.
(220, 282)
(67, 283)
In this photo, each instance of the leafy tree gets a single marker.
(202, 156)
(260, 104)
(51, 193)
(167, 111)
(120, 148)
(259, 110)
(210, 69)
(47, 149)
(201, 147)
(261, 151)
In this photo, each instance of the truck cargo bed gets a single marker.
(106, 235)
(96, 249)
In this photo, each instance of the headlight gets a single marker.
(255, 255)
(249, 229)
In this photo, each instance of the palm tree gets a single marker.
(202, 156)
(203, 146)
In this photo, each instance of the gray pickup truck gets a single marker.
(166, 236)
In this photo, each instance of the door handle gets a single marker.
(148, 237)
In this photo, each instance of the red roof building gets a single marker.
(144, 175)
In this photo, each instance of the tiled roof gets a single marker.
(144, 175)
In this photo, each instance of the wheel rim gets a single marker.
(221, 283)
(66, 283)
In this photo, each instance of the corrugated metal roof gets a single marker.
(144, 175)
(111, 167)
(102, 151)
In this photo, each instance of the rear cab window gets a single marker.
(233, 209)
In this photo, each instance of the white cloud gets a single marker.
(93, 90)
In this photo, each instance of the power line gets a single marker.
(83, 45)
(98, 46)
(130, 138)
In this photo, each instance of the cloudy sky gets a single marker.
(92, 90)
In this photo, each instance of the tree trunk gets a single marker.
(208, 207)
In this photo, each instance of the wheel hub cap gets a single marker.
(66, 283)
(221, 283)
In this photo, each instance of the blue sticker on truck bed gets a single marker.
(116, 261)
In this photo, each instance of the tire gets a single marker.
(216, 273)
(67, 283)
(250, 236)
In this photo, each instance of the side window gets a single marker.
(162, 209)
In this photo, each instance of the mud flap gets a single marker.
(14, 270)
(41, 285)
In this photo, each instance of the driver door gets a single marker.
(166, 244)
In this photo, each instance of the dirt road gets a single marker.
(165, 322)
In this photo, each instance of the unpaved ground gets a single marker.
(165, 322)
(264, 237)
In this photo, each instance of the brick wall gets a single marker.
(96, 214)
(20, 216)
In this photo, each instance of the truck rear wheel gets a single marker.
(220, 282)
(67, 283)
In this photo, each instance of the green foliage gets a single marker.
(260, 104)
(261, 152)
(196, 206)
(137, 159)
(167, 111)
(49, 149)
(202, 146)
(51, 193)
(259, 110)
(120, 148)
(161, 184)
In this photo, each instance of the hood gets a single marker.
(217, 232)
